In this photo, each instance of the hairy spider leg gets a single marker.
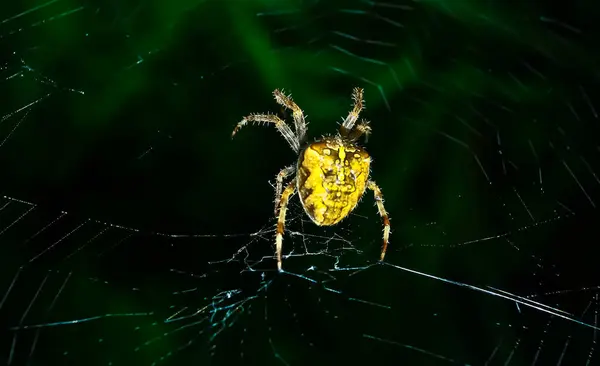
(359, 104)
(361, 128)
(285, 197)
(384, 215)
(284, 173)
(297, 114)
(284, 129)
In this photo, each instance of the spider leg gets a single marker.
(361, 128)
(284, 173)
(348, 124)
(284, 129)
(299, 122)
(285, 197)
(384, 215)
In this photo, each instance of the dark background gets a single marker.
(134, 231)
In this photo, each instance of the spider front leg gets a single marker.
(284, 129)
(359, 104)
(285, 197)
(284, 173)
(297, 114)
(384, 215)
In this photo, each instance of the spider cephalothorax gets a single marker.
(332, 174)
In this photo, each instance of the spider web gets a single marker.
(134, 232)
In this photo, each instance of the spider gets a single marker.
(332, 174)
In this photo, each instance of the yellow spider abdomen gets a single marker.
(332, 177)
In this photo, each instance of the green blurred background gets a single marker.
(134, 231)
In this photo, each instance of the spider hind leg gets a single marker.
(359, 105)
(361, 128)
(280, 125)
(299, 121)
